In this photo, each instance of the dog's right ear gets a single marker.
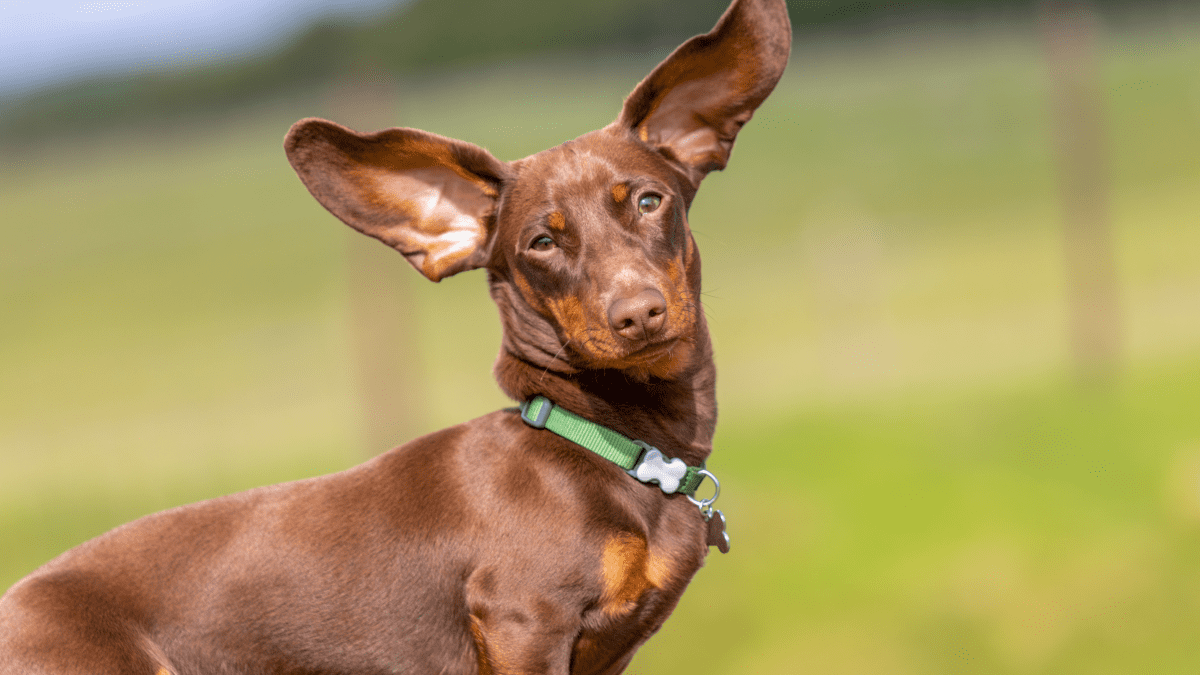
(431, 198)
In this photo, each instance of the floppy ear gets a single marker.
(693, 104)
(429, 197)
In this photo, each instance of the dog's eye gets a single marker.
(542, 244)
(649, 203)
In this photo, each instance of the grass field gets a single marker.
(914, 481)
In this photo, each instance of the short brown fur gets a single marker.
(492, 546)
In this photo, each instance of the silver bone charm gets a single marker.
(654, 467)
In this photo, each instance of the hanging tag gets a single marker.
(717, 536)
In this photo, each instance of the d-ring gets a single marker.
(706, 504)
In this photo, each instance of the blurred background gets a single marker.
(952, 275)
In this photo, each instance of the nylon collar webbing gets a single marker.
(540, 413)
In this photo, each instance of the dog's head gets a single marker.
(587, 244)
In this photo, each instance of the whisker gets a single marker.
(562, 348)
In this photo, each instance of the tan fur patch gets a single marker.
(675, 273)
(485, 663)
(672, 364)
(620, 192)
(527, 291)
(568, 312)
(658, 572)
(163, 671)
(643, 134)
(624, 566)
(557, 221)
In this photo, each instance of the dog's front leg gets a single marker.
(523, 635)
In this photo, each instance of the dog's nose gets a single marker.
(640, 316)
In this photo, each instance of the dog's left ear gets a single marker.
(693, 104)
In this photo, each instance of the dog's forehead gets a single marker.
(586, 165)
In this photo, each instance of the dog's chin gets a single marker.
(666, 360)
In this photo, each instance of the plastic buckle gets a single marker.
(543, 412)
(654, 467)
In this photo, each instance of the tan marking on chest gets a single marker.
(658, 572)
(481, 648)
(628, 570)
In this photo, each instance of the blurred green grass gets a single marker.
(913, 480)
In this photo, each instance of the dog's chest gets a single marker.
(641, 584)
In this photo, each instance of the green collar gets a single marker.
(639, 459)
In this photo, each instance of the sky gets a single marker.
(47, 41)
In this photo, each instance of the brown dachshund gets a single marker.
(538, 540)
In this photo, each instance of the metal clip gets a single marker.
(706, 504)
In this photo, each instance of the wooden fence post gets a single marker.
(1070, 33)
(384, 321)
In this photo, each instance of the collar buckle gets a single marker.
(654, 467)
(538, 421)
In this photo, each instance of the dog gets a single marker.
(551, 538)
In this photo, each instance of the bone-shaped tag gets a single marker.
(654, 467)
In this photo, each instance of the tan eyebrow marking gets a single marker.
(557, 221)
(620, 192)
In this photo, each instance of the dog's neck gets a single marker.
(677, 416)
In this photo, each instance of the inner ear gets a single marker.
(695, 102)
(431, 198)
